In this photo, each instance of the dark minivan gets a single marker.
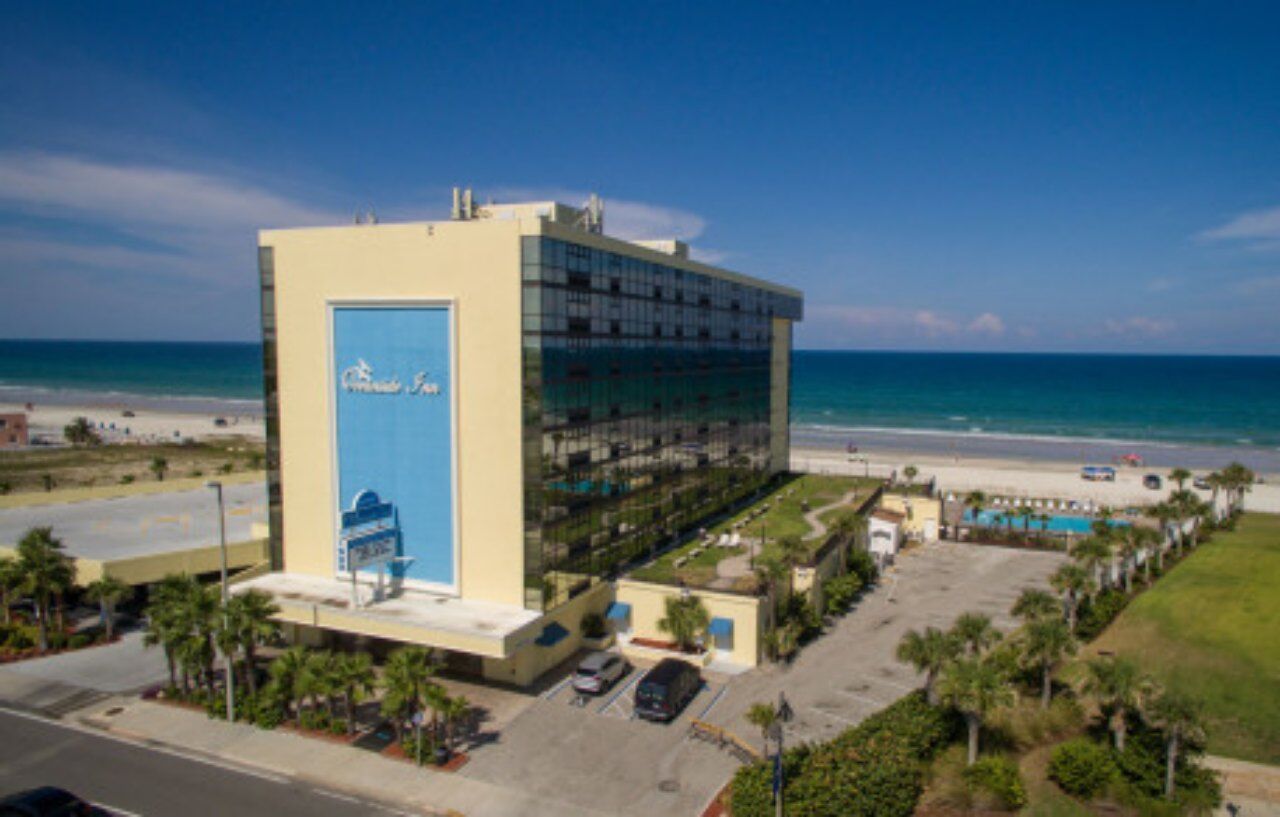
(666, 689)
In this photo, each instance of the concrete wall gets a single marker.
(474, 265)
(809, 578)
(648, 605)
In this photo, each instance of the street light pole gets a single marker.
(226, 654)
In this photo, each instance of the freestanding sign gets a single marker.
(394, 434)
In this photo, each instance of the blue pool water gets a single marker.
(1056, 524)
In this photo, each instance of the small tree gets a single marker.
(763, 717)
(910, 473)
(975, 632)
(159, 467)
(47, 481)
(1119, 689)
(80, 432)
(47, 572)
(11, 584)
(1034, 603)
(929, 652)
(976, 688)
(356, 679)
(108, 591)
(1074, 583)
(1046, 642)
(975, 501)
(1180, 475)
(455, 711)
(686, 620)
(1181, 718)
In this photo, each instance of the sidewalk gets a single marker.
(1254, 787)
(341, 768)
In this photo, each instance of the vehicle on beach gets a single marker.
(1098, 473)
(1202, 483)
(1153, 482)
(598, 672)
(666, 690)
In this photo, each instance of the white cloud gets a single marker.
(1254, 225)
(987, 324)
(1138, 325)
(625, 219)
(146, 195)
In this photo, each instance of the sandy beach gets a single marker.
(1033, 479)
(148, 425)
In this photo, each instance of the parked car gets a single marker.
(47, 801)
(598, 672)
(1098, 473)
(666, 690)
(1153, 482)
(1202, 483)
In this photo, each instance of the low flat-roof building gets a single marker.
(13, 430)
(474, 424)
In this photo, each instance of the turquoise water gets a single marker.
(992, 403)
(1055, 523)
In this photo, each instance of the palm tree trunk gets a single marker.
(1119, 728)
(108, 620)
(1170, 764)
(57, 608)
(8, 615)
(350, 700)
(1046, 690)
(974, 726)
(251, 667)
(173, 669)
(930, 684)
(42, 621)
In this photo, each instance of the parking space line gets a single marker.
(840, 718)
(715, 699)
(555, 690)
(862, 698)
(622, 691)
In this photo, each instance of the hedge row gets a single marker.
(875, 768)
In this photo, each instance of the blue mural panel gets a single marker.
(393, 376)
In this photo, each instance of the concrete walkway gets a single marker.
(820, 527)
(336, 767)
(1254, 787)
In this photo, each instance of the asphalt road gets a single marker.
(129, 779)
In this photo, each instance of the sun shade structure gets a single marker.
(552, 634)
(720, 627)
(618, 611)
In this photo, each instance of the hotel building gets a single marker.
(475, 425)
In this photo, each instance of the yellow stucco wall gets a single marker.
(780, 396)
(476, 266)
(152, 568)
(809, 578)
(531, 660)
(648, 605)
(922, 513)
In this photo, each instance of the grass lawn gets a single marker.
(785, 517)
(122, 466)
(1211, 627)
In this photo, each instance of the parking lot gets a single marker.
(598, 756)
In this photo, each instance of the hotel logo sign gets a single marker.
(360, 379)
(370, 535)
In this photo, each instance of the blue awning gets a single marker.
(552, 634)
(618, 611)
(720, 627)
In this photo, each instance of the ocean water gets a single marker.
(986, 403)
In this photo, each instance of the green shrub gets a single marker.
(999, 777)
(1142, 766)
(1081, 767)
(593, 626)
(1097, 613)
(840, 592)
(79, 640)
(127, 479)
(863, 565)
(921, 728)
(315, 719)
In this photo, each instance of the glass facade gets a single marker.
(271, 404)
(646, 407)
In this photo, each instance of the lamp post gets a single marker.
(226, 654)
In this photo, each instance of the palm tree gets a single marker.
(355, 676)
(407, 673)
(80, 432)
(1136, 540)
(929, 652)
(1026, 513)
(792, 552)
(200, 617)
(1164, 515)
(976, 688)
(285, 672)
(1046, 642)
(910, 473)
(1237, 480)
(1182, 720)
(769, 571)
(454, 710)
(1091, 553)
(975, 501)
(12, 581)
(686, 620)
(1035, 603)
(436, 699)
(47, 571)
(1180, 475)
(1190, 508)
(315, 680)
(159, 466)
(251, 616)
(1119, 688)
(108, 591)
(763, 717)
(974, 632)
(1073, 582)
(164, 623)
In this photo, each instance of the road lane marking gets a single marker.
(115, 810)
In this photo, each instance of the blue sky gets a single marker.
(1023, 176)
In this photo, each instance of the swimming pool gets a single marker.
(1056, 524)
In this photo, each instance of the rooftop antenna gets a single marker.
(366, 216)
(593, 215)
(464, 208)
